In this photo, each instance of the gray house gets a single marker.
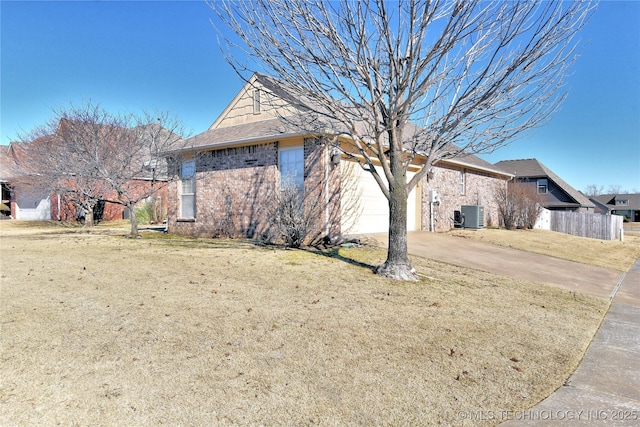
(557, 194)
(627, 205)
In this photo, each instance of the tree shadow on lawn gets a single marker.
(226, 243)
(335, 254)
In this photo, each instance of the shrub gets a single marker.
(519, 205)
(294, 217)
(150, 212)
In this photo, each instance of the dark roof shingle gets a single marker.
(532, 168)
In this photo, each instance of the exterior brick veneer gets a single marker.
(479, 190)
(234, 187)
(323, 200)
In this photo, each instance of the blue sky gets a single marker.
(164, 55)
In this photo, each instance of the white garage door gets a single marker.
(364, 207)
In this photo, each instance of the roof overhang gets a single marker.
(467, 165)
(264, 139)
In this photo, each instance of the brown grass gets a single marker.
(102, 330)
(612, 254)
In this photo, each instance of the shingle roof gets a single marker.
(474, 161)
(239, 134)
(277, 128)
(610, 200)
(532, 168)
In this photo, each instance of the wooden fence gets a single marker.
(596, 226)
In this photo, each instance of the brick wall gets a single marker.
(479, 190)
(232, 185)
(322, 201)
(235, 185)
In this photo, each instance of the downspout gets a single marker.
(326, 191)
(59, 216)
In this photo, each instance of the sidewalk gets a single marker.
(605, 388)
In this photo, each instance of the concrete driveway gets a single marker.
(508, 262)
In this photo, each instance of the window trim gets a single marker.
(542, 185)
(463, 182)
(299, 148)
(182, 193)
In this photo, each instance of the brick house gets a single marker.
(24, 200)
(222, 180)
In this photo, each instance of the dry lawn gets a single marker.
(612, 254)
(98, 329)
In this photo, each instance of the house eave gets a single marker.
(238, 142)
(454, 162)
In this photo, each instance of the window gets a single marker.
(188, 189)
(542, 186)
(291, 164)
(462, 182)
(622, 202)
(257, 106)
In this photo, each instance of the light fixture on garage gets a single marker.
(335, 157)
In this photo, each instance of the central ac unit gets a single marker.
(473, 216)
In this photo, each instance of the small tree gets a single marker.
(519, 205)
(49, 164)
(90, 154)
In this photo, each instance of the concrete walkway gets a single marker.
(605, 388)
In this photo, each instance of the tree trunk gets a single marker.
(88, 217)
(134, 221)
(397, 265)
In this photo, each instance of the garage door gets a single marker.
(364, 207)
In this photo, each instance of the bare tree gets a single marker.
(49, 163)
(593, 190)
(402, 79)
(615, 189)
(90, 154)
(137, 167)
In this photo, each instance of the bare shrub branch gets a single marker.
(519, 205)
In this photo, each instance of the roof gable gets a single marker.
(532, 168)
(261, 98)
(633, 200)
(239, 124)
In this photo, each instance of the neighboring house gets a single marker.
(229, 174)
(556, 193)
(627, 205)
(26, 201)
(6, 165)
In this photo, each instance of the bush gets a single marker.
(294, 217)
(150, 212)
(519, 205)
